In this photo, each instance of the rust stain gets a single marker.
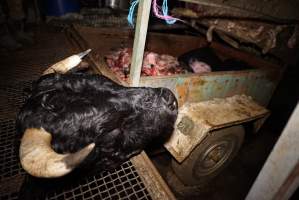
(197, 85)
(197, 82)
(182, 91)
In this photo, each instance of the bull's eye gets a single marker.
(172, 106)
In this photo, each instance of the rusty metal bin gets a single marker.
(259, 82)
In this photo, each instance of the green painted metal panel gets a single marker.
(194, 88)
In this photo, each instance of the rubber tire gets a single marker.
(186, 171)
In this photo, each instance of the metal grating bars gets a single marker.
(122, 183)
(9, 161)
(12, 196)
(12, 98)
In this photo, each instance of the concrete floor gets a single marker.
(236, 179)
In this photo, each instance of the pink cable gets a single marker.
(157, 12)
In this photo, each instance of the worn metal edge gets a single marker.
(150, 176)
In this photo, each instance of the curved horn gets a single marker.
(67, 64)
(40, 160)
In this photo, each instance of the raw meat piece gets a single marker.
(153, 64)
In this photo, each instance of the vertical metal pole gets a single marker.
(277, 179)
(139, 41)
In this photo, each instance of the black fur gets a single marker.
(78, 109)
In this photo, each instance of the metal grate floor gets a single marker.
(12, 196)
(9, 162)
(122, 183)
(12, 98)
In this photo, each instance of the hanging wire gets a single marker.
(131, 12)
(161, 13)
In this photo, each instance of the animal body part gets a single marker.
(153, 64)
(67, 64)
(86, 120)
(199, 67)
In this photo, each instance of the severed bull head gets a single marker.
(36, 155)
(72, 119)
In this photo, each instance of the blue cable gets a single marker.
(131, 12)
(165, 12)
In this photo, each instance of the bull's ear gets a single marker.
(67, 64)
(40, 160)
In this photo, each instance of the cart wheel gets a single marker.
(210, 157)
